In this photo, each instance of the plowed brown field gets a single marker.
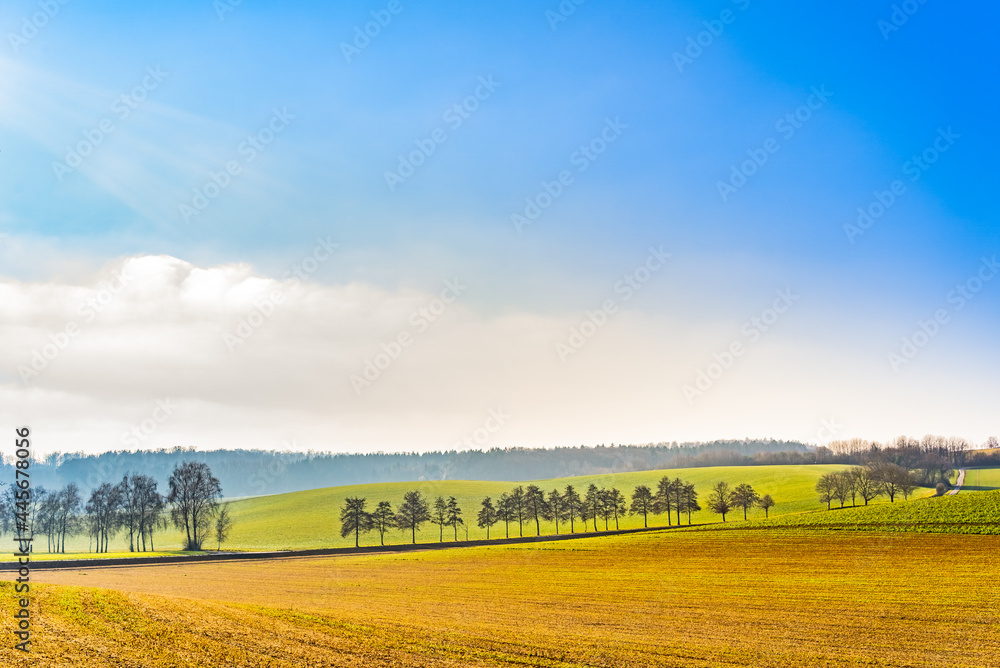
(779, 598)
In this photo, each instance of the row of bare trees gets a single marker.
(523, 505)
(54, 514)
(867, 482)
(133, 506)
(411, 514)
(725, 499)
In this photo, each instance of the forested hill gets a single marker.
(255, 472)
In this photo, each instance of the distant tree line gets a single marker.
(133, 506)
(255, 472)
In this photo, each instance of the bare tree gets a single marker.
(906, 484)
(720, 501)
(677, 494)
(555, 509)
(413, 512)
(223, 523)
(642, 503)
(383, 519)
(68, 513)
(765, 503)
(534, 501)
(7, 509)
(454, 515)
(130, 510)
(506, 512)
(354, 519)
(439, 516)
(866, 486)
(48, 519)
(574, 507)
(893, 478)
(840, 486)
(824, 487)
(690, 501)
(150, 507)
(24, 505)
(103, 512)
(851, 481)
(154, 516)
(487, 516)
(593, 502)
(194, 494)
(604, 506)
(518, 505)
(664, 497)
(744, 496)
(616, 504)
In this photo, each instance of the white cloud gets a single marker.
(159, 332)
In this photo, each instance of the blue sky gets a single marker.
(555, 89)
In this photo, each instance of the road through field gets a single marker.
(958, 483)
(138, 560)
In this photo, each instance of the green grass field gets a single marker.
(981, 480)
(310, 519)
(966, 512)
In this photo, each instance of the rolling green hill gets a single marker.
(966, 512)
(982, 479)
(310, 519)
